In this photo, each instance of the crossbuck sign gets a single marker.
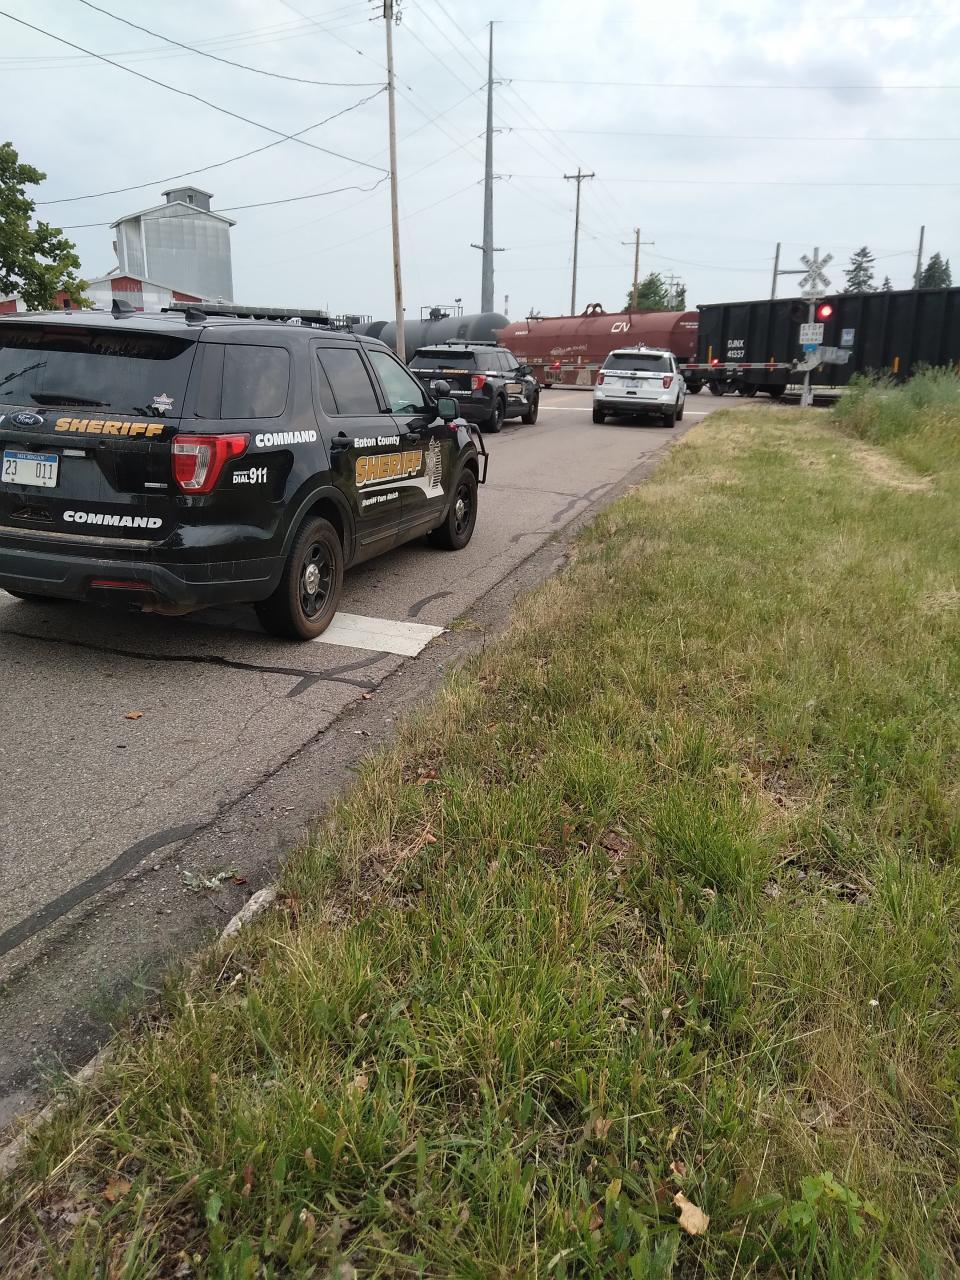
(814, 284)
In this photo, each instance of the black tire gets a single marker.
(694, 388)
(680, 408)
(304, 603)
(716, 388)
(495, 421)
(529, 416)
(776, 393)
(598, 414)
(669, 419)
(749, 389)
(461, 518)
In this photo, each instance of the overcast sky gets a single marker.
(714, 175)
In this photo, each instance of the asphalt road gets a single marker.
(94, 803)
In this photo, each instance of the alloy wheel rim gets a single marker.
(462, 508)
(316, 580)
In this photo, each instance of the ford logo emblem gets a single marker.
(26, 419)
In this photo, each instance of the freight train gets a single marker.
(748, 347)
(571, 349)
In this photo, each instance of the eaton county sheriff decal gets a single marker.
(402, 468)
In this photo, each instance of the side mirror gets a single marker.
(448, 408)
(441, 388)
(525, 370)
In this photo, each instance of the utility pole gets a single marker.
(637, 242)
(578, 178)
(672, 282)
(487, 248)
(486, 283)
(388, 16)
(919, 271)
(781, 271)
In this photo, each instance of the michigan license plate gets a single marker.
(20, 467)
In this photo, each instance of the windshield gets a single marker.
(638, 363)
(444, 360)
(142, 373)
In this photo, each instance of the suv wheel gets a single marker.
(495, 421)
(460, 521)
(529, 415)
(598, 414)
(669, 418)
(308, 594)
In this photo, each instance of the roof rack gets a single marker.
(464, 342)
(314, 319)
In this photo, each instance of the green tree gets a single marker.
(936, 274)
(652, 294)
(680, 298)
(860, 272)
(35, 262)
(887, 287)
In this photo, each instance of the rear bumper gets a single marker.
(45, 571)
(635, 404)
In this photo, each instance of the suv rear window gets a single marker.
(443, 360)
(94, 369)
(638, 363)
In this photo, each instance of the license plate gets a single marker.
(19, 467)
(514, 389)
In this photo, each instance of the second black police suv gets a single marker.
(170, 462)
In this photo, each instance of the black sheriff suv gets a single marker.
(488, 381)
(175, 461)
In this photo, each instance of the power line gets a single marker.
(250, 36)
(741, 182)
(219, 164)
(356, 204)
(329, 248)
(227, 62)
(723, 137)
(260, 204)
(360, 54)
(676, 84)
(184, 93)
(528, 109)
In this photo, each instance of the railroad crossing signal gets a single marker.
(815, 282)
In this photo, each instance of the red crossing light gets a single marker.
(824, 311)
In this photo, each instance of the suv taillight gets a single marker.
(198, 460)
(667, 380)
(477, 382)
(600, 379)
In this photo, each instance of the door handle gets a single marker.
(340, 442)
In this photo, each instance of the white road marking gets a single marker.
(383, 635)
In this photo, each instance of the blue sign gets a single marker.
(810, 346)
